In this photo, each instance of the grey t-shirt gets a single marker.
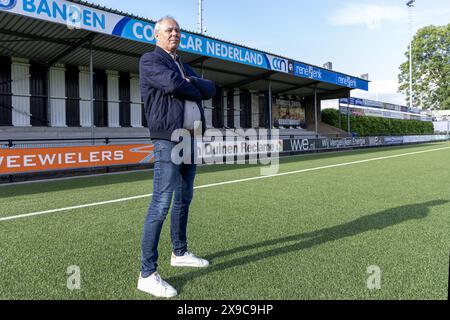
(191, 111)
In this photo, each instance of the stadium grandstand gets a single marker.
(70, 69)
(69, 78)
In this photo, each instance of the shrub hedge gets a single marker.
(374, 126)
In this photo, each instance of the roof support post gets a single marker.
(270, 105)
(91, 90)
(49, 107)
(348, 114)
(339, 115)
(202, 102)
(316, 128)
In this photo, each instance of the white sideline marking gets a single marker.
(220, 184)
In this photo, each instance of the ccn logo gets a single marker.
(279, 64)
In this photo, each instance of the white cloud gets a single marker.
(382, 90)
(383, 86)
(371, 15)
(379, 90)
(431, 16)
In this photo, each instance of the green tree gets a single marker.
(431, 68)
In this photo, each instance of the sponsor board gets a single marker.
(425, 138)
(238, 148)
(27, 160)
(287, 113)
(374, 104)
(393, 140)
(16, 161)
(316, 73)
(60, 158)
(305, 144)
(278, 64)
(414, 139)
(348, 142)
(358, 110)
(299, 145)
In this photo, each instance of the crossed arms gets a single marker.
(155, 73)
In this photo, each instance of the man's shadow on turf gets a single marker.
(376, 221)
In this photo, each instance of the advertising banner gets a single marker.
(373, 112)
(27, 160)
(305, 144)
(238, 148)
(393, 140)
(373, 104)
(287, 113)
(359, 107)
(60, 158)
(314, 73)
(300, 144)
(425, 138)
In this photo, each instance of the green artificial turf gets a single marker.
(309, 235)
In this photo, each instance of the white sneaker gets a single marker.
(188, 260)
(156, 286)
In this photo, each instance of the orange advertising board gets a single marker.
(60, 158)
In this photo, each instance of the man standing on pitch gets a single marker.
(172, 93)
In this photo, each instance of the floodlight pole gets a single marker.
(200, 16)
(410, 4)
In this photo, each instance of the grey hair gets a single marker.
(159, 22)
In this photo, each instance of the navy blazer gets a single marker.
(164, 92)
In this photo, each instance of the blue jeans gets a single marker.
(169, 179)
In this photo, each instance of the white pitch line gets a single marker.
(73, 208)
(221, 184)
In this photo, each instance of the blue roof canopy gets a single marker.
(85, 16)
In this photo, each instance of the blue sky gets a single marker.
(358, 36)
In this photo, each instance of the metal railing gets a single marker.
(48, 142)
